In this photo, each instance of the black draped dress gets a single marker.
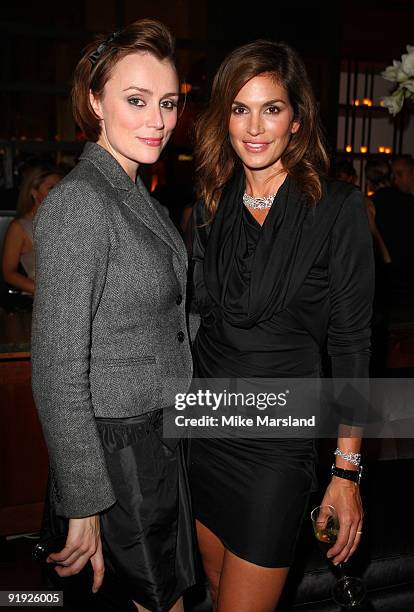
(253, 493)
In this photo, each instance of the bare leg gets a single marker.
(237, 585)
(177, 607)
(140, 608)
(246, 587)
(212, 554)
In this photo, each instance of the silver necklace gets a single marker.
(258, 203)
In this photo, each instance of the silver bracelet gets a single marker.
(354, 458)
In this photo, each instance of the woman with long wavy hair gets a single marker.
(282, 262)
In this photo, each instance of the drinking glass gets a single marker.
(348, 591)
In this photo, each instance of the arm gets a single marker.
(72, 249)
(13, 246)
(351, 287)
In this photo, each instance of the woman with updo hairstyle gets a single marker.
(18, 253)
(282, 263)
(109, 331)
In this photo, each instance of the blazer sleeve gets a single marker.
(72, 247)
(351, 290)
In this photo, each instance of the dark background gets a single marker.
(42, 41)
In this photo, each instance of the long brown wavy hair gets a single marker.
(305, 158)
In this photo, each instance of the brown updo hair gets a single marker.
(305, 157)
(99, 58)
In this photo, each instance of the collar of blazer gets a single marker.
(136, 197)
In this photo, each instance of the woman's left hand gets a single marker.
(344, 496)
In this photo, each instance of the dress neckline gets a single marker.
(250, 219)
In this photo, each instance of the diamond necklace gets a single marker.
(258, 203)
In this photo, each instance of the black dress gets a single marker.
(253, 493)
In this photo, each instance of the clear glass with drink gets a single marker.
(348, 591)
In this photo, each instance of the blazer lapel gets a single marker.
(136, 197)
(140, 203)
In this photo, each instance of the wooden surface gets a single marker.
(15, 329)
(23, 454)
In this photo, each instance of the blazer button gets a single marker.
(180, 336)
(179, 299)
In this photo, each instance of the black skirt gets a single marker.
(147, 535)
(253, 494)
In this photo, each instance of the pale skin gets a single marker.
(137, 114)
(261, 125)
(18, 242)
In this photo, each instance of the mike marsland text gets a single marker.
(241, 421)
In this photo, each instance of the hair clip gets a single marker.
(93, 57)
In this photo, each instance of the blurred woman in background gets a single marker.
(18, 254)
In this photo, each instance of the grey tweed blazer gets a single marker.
(109, 325)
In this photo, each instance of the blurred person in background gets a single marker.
(391, 217)
(403, 173)
(18, 263)
(394, 218)
(345, 171)
(377, 173)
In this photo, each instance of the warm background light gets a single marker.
(348, 148)
(185, 88)
(363, 149)
(154, 183)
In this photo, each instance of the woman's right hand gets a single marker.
(82, 544)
